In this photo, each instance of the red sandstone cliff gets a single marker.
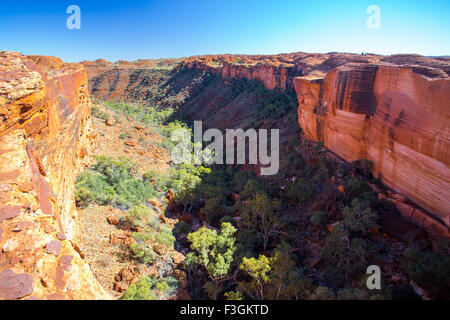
(396, 116)
(276, 71)
(393, 111)
(44, 138)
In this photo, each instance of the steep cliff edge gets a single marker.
(44, 140)
(395, 116)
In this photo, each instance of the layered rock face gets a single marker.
(44, 140)
(396, 116)
(127, 81)
(271, 74)
(274, 71)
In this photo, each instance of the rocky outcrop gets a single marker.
(395, 116)
(44, 140)
(127, 81)
(275, 71)
(272, 75)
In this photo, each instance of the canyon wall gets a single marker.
(274, 71)
(271, 75)
(391, 110)
(127, 81)
(395, 116)
(44, 140)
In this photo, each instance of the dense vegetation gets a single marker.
(111, 181)
(273, 104)
(151, 288)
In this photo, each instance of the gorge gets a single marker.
(391, 111)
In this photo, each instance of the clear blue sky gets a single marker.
(130, 30)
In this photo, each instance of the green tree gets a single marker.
(258, 270)
(261, 216)
(360, 217)
(215, 208)
(345, 256)
(286, 280)
(212, 250)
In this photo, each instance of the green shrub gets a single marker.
(186, 176)
(142, 252)
(160, 180)
(137, 213)
(124, 136)
(142, 237)
(143, 289)
(150, 288)
(154, 222)
(118, 118)
(95, 111)
(93, 186)
(110, 181)
(83, 197)
(165, 238)
(166, 229)
(168, 286)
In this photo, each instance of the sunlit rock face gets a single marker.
(396, 116)
(44, 140)
(272, 71)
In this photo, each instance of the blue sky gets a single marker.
(130, 30)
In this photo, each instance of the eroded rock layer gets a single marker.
(127, 81)
(44, 140)
(395, 116)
